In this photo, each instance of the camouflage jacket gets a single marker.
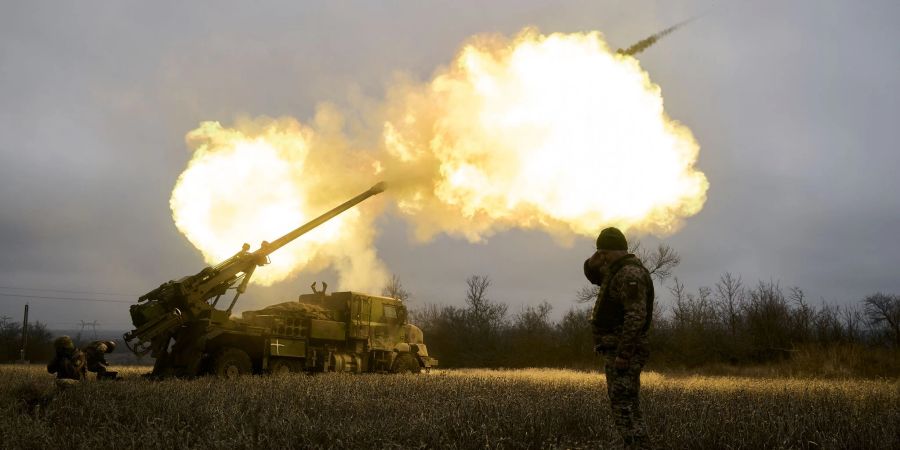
(94, 355)
(621, 319)
(70, 365)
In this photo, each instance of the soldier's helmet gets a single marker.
(64, 343)
(611, 239)
(110, 346)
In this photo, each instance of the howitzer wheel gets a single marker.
(405, 363)
(280, 367)
(231, 363)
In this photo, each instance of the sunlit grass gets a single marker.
(657, 380)
(529, 408)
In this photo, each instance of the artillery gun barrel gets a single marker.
(305, 228)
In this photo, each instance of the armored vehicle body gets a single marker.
(341, 332)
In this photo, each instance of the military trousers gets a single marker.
(623, 387)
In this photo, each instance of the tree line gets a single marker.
(39, 345)
(728, 324)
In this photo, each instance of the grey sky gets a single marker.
(794, 104)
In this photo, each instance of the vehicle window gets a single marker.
(390, 313)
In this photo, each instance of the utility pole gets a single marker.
(24, 336)
(84, 325)
(78, 337)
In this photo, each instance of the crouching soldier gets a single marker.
(69, 363)
(95, 353)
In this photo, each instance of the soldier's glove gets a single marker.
(591, 272)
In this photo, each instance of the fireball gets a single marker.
(548, 132)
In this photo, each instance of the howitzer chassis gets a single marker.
(179, 324)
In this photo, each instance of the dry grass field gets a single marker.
(533, 408)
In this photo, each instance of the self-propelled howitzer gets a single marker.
(185, 310)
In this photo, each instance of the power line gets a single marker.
(14, 288)
(41, 297)
(114, 326)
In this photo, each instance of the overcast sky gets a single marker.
(794, 104)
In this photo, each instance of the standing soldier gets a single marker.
(95, 353)
(620, 321)
(68, 363)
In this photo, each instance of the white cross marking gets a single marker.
(277, 347)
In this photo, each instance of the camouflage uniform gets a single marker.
(68, 363)
(95, 354)
(621, 320)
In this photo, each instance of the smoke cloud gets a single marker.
(549, 132)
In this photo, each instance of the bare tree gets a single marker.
(852, 318)
(681, 297)
(587, 293)
(730, 297)
(827, 327)
(883, 312)
(703, 294)
(476, 290)
(803, 315)
(677, 291)
(395, 289)
(767, 316)
(659, 262)
(481, 310)
(534, 319)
